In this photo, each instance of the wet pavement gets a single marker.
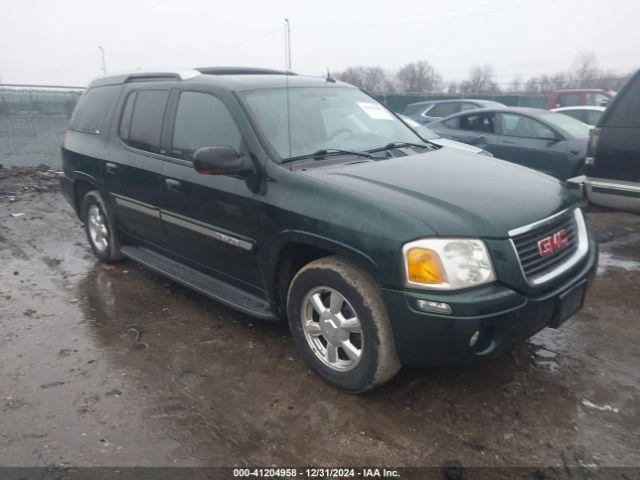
(107, 365)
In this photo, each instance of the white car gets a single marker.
(433, 137)
(589, 114)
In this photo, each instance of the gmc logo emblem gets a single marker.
(552, 243)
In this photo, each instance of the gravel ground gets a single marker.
(112, 365)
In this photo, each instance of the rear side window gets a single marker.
(625, 111)
(92, 109)
(454, 123)
(468, 106)
(443, 109)
(477, 123)
(525, 127)
(568, 99)
(413, 109)
(145, 130)
(598, 99)
(577, 114)
(202, 121)
(592, 117)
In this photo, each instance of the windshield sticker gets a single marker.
(375, 111)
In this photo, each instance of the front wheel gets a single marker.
(340, 325)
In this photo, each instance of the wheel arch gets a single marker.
(297, 249)
(82, 184)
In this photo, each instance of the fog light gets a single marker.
(474, 338)
(434, 307)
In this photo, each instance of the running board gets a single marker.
(201, 282)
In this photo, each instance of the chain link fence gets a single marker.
(32, 121)
(33, 118)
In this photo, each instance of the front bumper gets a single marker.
(503, 316)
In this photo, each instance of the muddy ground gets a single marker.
(204, 385)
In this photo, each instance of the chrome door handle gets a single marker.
(111, 168)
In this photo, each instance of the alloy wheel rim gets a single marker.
(97, 228)
(332, 329)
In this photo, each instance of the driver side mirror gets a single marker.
(220, 161)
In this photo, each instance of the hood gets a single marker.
(453, 192)
(445, 142)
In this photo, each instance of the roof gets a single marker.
(580, 107)
(232, 78)
(444, 100)
(576, 90)
(523, 110)
(242, 71)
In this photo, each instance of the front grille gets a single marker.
(533, 263)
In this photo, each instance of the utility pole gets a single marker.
(287, 44)
(104, 61)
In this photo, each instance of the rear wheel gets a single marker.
(340, 325)
(99, 228)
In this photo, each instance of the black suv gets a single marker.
(303, 198)
(613, 161)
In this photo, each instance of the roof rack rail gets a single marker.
(150, 76)
(242, 71)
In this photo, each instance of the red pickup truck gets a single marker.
(579, 96)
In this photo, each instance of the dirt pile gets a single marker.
(19, 182)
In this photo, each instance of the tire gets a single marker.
(106, 246)
(357, 297)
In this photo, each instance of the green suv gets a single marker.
(302, 198)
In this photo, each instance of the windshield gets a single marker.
(324, 118)
(568, 124)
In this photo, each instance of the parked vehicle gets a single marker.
(572, 97)
(296, 197)
(429, 111)
(613, 162)
(589, 115)
(427, 134)
(546, 141)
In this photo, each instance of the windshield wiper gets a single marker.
(391, 145)
(320, 154)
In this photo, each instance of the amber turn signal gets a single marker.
(424, 266)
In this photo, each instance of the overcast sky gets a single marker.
(56, 42)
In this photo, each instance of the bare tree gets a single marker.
(611, 81)
(516, 84)
(371, 79)
(480, 80)
(585, 70)
(422, 78)
(545, 83)
(419, 77)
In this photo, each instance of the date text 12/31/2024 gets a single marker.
(335, 473)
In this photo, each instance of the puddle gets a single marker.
(623, 253)
(608, 260)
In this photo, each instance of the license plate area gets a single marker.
(568, 304)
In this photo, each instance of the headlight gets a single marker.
(447, 264)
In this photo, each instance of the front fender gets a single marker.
(358, 257)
